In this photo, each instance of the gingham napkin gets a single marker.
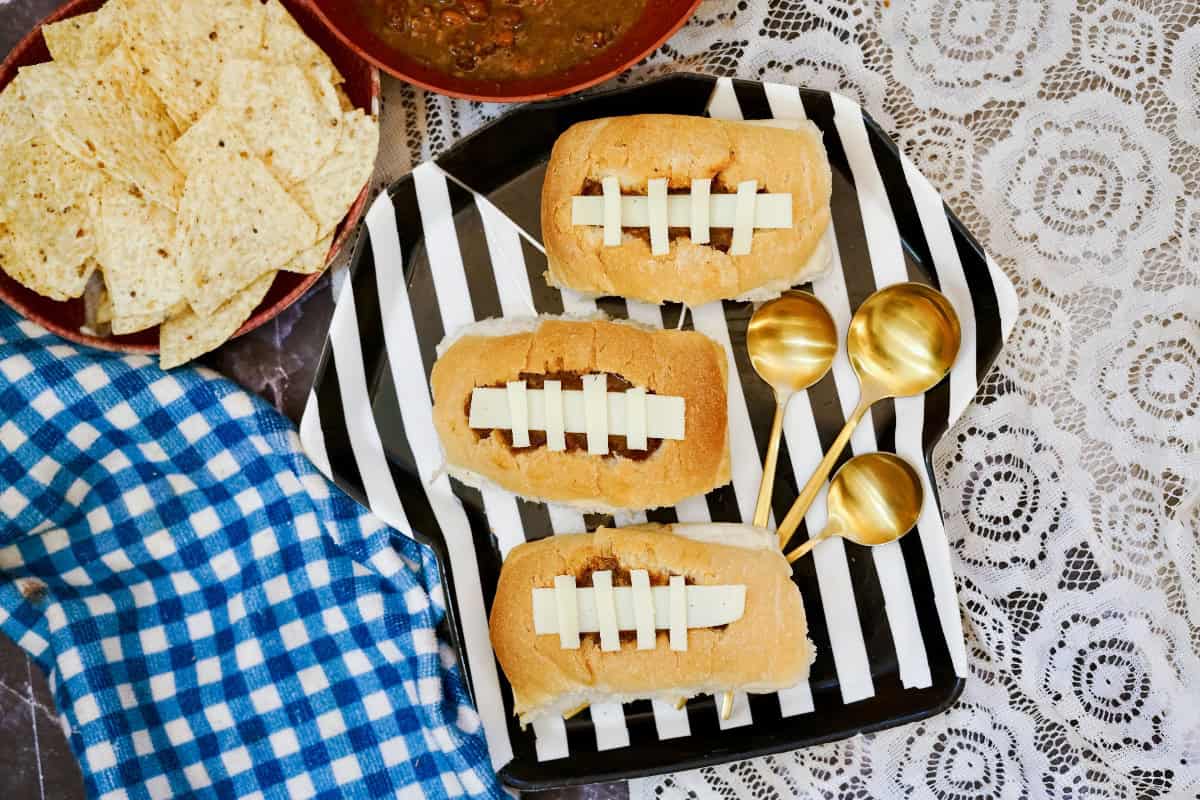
(215, 618)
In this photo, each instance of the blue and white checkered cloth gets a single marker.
(215, 618)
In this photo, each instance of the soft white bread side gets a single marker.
(508, 326)
(816, 266)
(683, 364)
(765, 650)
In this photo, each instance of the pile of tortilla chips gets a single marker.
(184, 150)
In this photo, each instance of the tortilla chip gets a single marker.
(47, 212)
(215, 133)
(236, 223)
(328, 93)
(312, 259)
(284, 42)
(180, 46)
(108, 119)
(282, 116)
(86, 38)
(136, 251)
(98, 313)
(122, 326)
(328, 194)
(17, 123)
(23, 261)
(189, 335)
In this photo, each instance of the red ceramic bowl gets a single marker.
(362, 85)
(658, 22)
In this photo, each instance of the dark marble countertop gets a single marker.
(276, 362)
(35, 761)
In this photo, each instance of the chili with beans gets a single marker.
(502, 39)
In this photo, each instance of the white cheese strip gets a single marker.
(656, 194)
(665, 414)
(518, 413)
(612, 211)
(635, 418)
(566, 603)
(700, 207)
(606, 610)
(551, 403)
(595, 408)
(707, 607)
(643, 609)
(743, 218)
(770, 211)
(677, 599)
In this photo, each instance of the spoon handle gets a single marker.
(762, 511)
(809, 493)
(801, 551)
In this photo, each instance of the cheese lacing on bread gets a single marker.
(678, 468)
(506, 326)
(682, 149)
(531, 688)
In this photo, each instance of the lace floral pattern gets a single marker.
(967, 754)
(1013, 491)
(1067, 137)
(1142, 383)
(1083, 188)
(956, 55)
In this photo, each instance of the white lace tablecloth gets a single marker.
(1067, 138)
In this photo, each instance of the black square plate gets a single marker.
(880, 621)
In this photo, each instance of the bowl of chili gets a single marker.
(505, 50)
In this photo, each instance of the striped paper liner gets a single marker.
(885, 621)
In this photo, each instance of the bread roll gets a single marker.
(671, 363)
(766, 649)
(682, 149)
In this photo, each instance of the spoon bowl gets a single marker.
(903, 339)
(876, 498)
(792, 341)
(873, 499)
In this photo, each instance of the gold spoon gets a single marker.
(792, 341)
(873, 499)
(902, 342)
